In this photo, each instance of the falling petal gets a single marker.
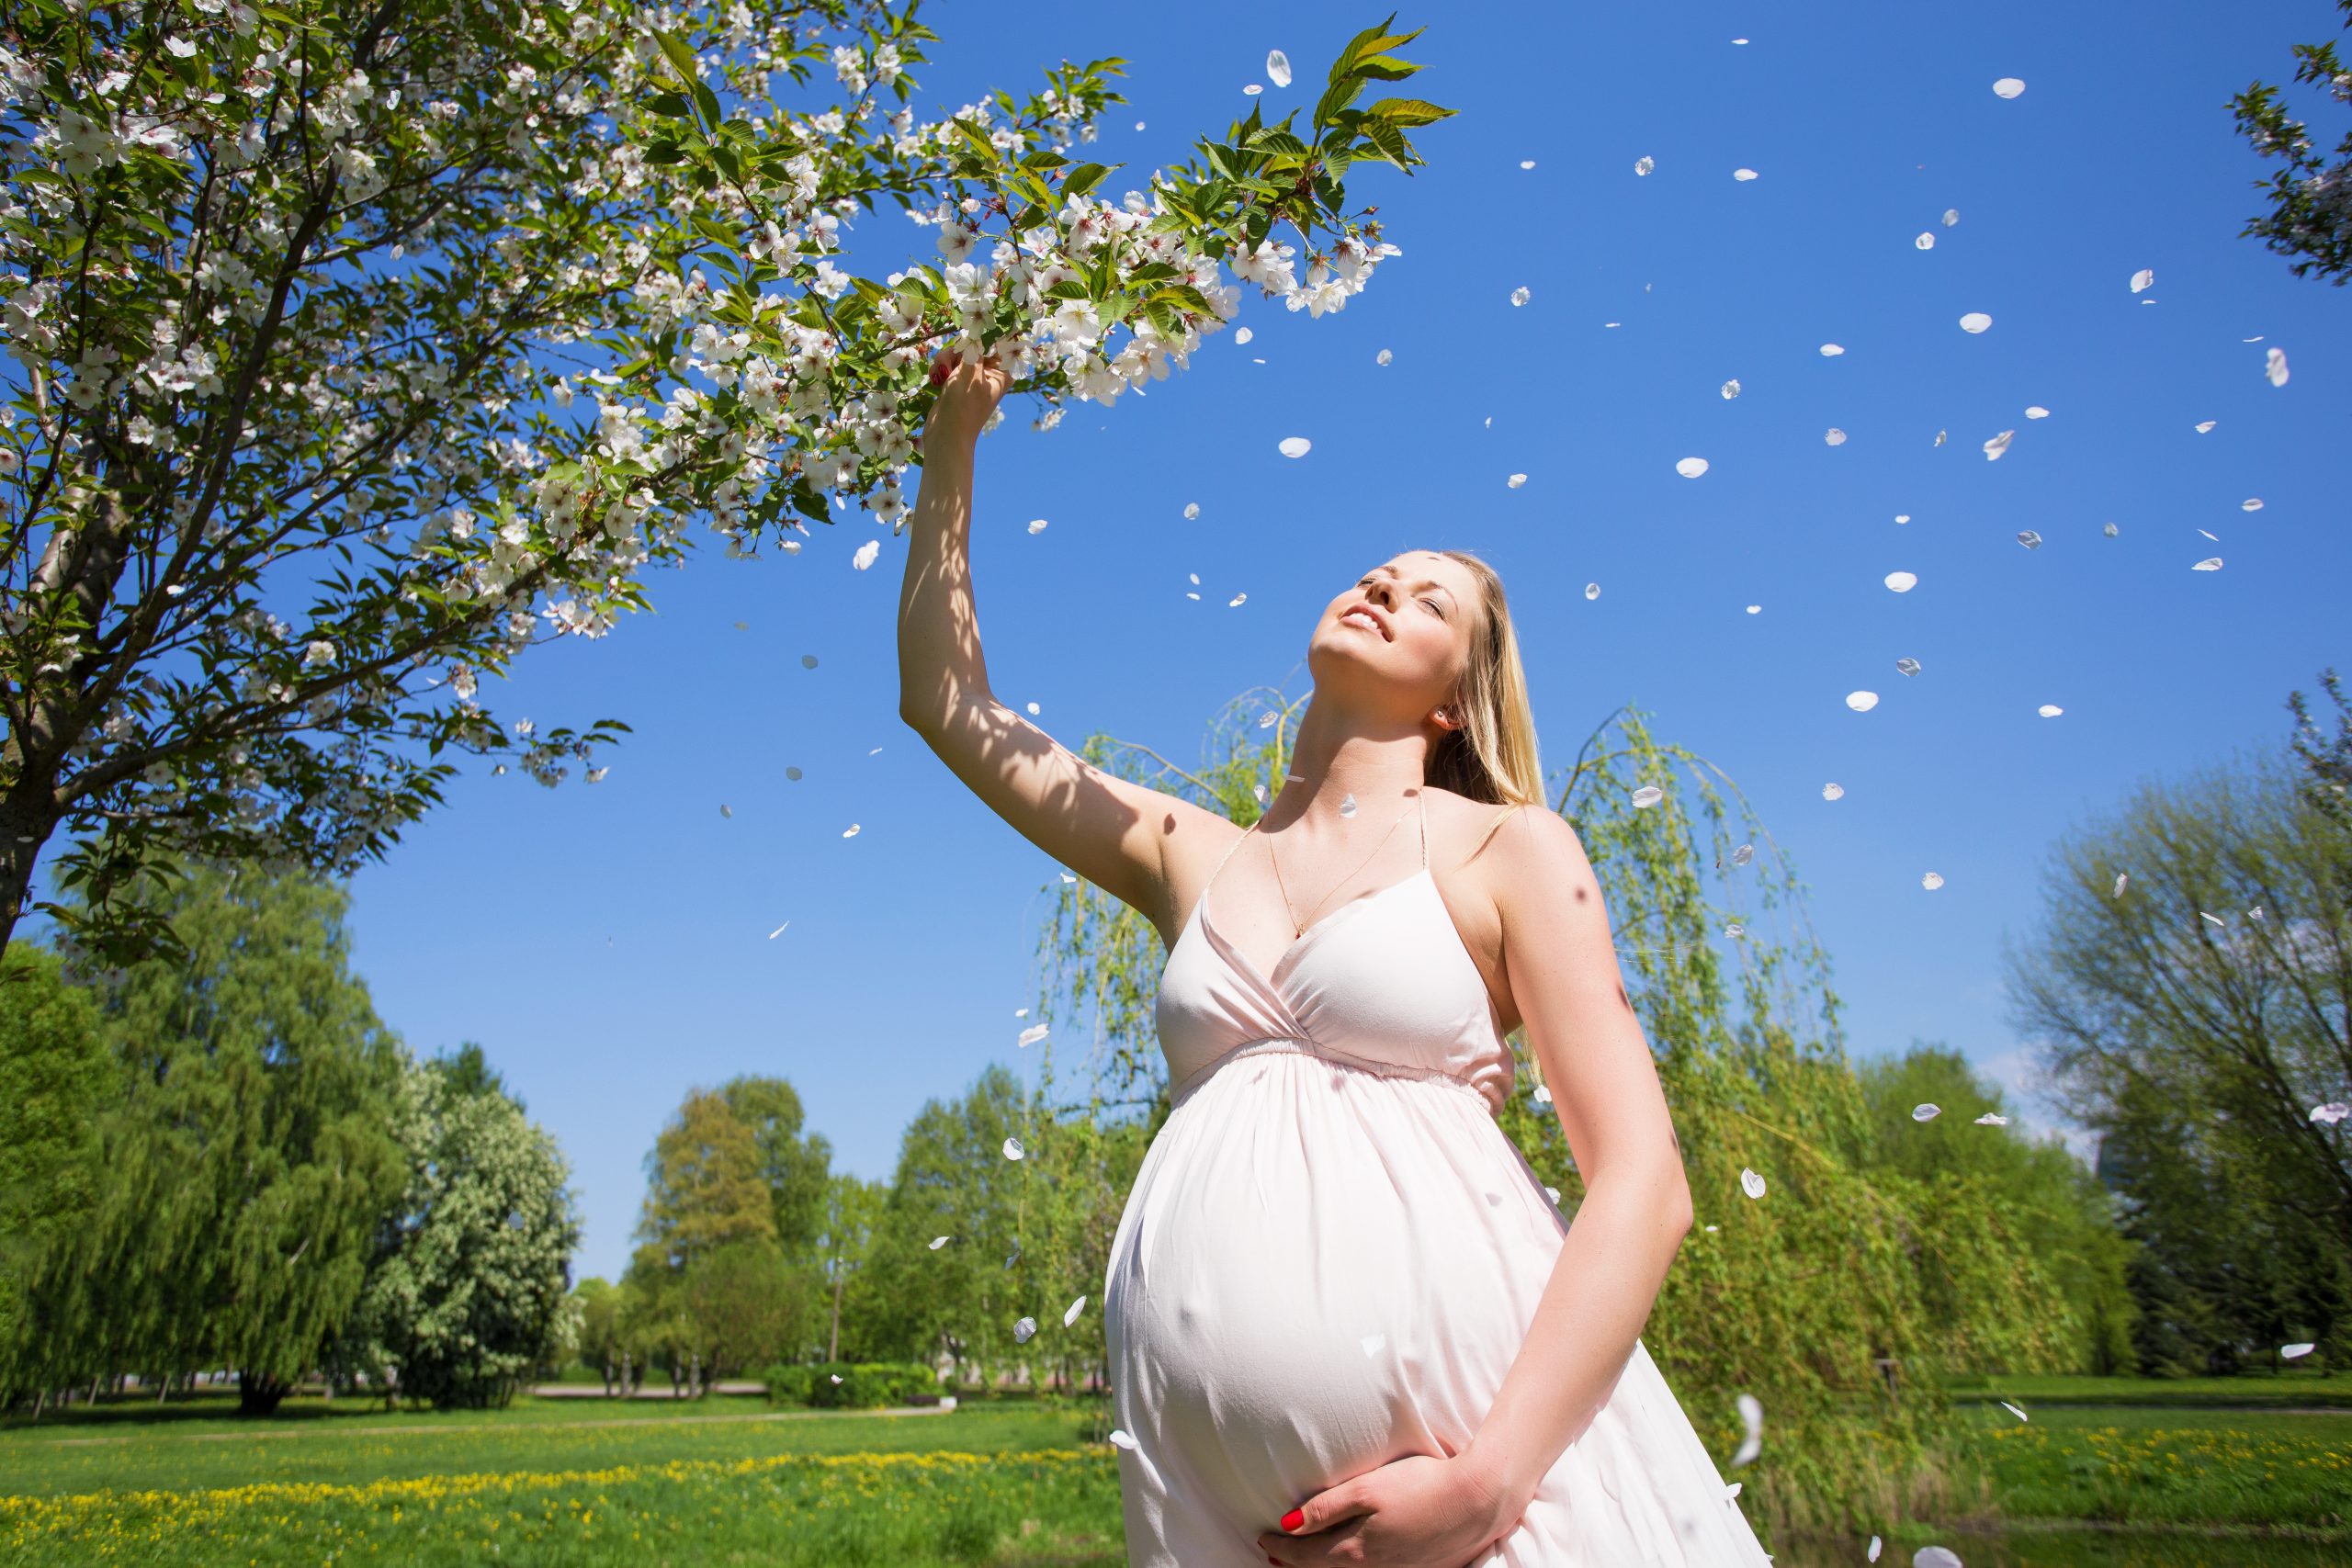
(1874, 1546)
(1024, 1329)
(2141, 279)
(1751, 1183)
(1935, 1557)
(1515, 480)
(1192, 509)
(1012, 1150)
(779, 931)
(1031, 1036)
(1999, 445)
(1833, 791)
(2015, 1411)
(2008, 87)
(1951, 217)
(1278, 67)
(1743, 174)
(1933, 881)
(1731, 389)
(1295, 446)
(1832, 350)
(1643, 165)
(1834, 437)
(1373, 1342)
(2251, 503)
(1542, 1094)
(1902, 581)
(2329, 1114)
(2121, 878)
(850, 832)
(1235, 603)
(2211, 563)
(1732, 1490)
(938, 1241)
(1648, 796)
(1120, 1436)
(1861, 702)
(2030, 539)
(1266, 721)
(1252, 90)
(1691, 467)
(866, 554)
(2296, 1351)
(726, 810)
(1942, 435)
(1908, 666)
(1734, 929)
(1242, 335)
(835, 1376)
(2274, 365)
(1033, 708)
(1903, 517)
(2050, 710)
(2215, 918)
(1527, 162)
(1924, 1112)
(1382, 357)
(1519, 295)
(2036, 411)
(792, 773)
(1076, 1307)
(1592, 591)
(1974, 321)
(2109, 529)
(807, 661)
(1992, 1118)
(1036, 525)
(1927, 240)
(2205, 425)
(1347, 805)
(1751, 1415)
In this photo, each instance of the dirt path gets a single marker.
(363, 1431)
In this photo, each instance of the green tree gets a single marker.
(2066, 1218)
(795, 1167)
(2188, 985)
(705, 1185)
(2310, 191)
(54, 1077)
(747, 1305)
(466, 1290)
(854, 1208)
(598, 1303)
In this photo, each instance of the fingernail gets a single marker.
(1293, 1519)
(1275, 1561)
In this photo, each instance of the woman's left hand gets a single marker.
(1417, 1512)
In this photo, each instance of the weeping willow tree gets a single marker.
(1846, 1294)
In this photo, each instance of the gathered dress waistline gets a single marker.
(1295, 1045)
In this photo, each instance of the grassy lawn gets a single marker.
(2301, 1389)
(1015, 1485)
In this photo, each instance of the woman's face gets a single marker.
(1400, 636)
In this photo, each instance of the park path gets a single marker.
(508, 1426)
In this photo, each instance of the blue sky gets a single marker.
(609, 945)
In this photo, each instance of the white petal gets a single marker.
(1908, 666)
(1076, 1307)
(1743, 174)
(1731, 389)
(1751, 1183)
(1278, 67)
(1832, 350)
(1951, 217)
(1861, 702)
(2211, 563)
(2015, 1411)
(1833, 791)
(1836, 437)
(2121, 878)
(1999, 445)
(1592, 591)
(1036, 525)
(1192, 509)
(2142, 280)
(1518, 296)
(866, 554)
(1119, 1436)
(2205, 425)
(2030, 539)
(1012, 1150)
(1751, 1415)
(2274, 365)
(1031, 1036)
(1252, 90)
(1974, 321)
(1517, 480)
(850, 832)
(1242, 335)
(1902, 581)
(2251, 503)
(1992, 1118)
(1235, 603)
(1373, 1342)
(2296, 1351)
(1643, 165)
(1935, 1557)
(1926, 1113)
(1931, 881)
(1382, 357)
(1926, 240)
(1648, 796)
(2050, 710)
(2009, 86)
(1527, 162)
(1903, 517)
(938, 1241)
(1874, 1547)
(1691, 468)
(2036, 411)
(1022, 1330)
(1295, 446)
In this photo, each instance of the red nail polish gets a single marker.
(1275, 1561)
(1295, 1518)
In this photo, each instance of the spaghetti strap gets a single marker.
(1421, 800)
(1501, 817)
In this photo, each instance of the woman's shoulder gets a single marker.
(1464, 832)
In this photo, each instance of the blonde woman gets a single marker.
(1346, 1324)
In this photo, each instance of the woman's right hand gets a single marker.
(968, 392)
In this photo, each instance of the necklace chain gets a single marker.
(1298, 927)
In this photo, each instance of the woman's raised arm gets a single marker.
(1107, 829)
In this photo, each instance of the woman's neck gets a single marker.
(1331, 763)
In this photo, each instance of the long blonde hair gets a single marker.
(1492, 756)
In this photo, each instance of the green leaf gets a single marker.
(1386, 68)
(670, 106)
(1407, 111)
(682, 59)
(1390, 143)
(1083, 178)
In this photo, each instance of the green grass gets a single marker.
(2305, 1390)
(1015, 1485)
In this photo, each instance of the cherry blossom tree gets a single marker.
(2310, 191)
(353, 349)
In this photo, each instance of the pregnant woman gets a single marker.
(1346, 1324)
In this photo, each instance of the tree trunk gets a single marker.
(259, 1395)
(834, 1345)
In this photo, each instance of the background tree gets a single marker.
(2310, 191)
(794, 1167)
(2066, 1214)
(2189, 987)
(854, 1211)
(247, 1141)
(300, 300)
(54, 1077)
(747, 1306)
(467, 1288)
(705, 1186)
(598, 1305)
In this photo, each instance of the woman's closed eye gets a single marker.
(1435, 608)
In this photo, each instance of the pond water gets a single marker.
(2082, 1549)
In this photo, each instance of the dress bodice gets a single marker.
(1384, 982)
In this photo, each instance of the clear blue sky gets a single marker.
(608, 944)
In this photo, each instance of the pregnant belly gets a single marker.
(1320, 1270)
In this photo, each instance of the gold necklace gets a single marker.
(1298, 928)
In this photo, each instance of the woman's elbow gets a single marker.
(1675, 1214)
